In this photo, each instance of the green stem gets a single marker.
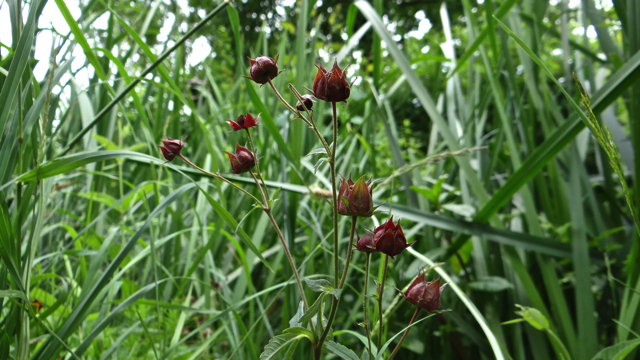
(255, 154)
(336, 301)
(393, 353)
(282, 99)
(334, 194)
(311, 122)
(218, 176)
(364, 304)
(381, 293)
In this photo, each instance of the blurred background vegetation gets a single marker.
(108, 253)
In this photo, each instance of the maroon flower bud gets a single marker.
(365, 244)
(243, 122)
(171, 148)
(307, 100)
(262, 69)
(423, 294)
(242, 161)
(355, 199)
(389, 238)
(331, 86)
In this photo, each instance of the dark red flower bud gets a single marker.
(307, 100)
(242, 161)
(355, 199)
(243, 122)
(262, 69)
(423, 294)
(171, 148)
(331, 86)
(365, 244)
(389, 238)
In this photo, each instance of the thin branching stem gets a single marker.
(255, 155)
(364, 304)
(218, 176)
(281, 98)
(415, 315)
(380, 294)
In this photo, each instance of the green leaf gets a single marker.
(341, 351)
(313, 309)
(277, 344)
(233, 224)
(295, 320)
(490, 284)
(618, 351)
(300, 331)
(320, 285)
(534, 317)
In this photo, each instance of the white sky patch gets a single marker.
(165, 30)
(184, 6)
(199, 51)
(101, 23)
(591, 31)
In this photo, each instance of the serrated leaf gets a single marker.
(277, 344)
(317, 151)
(340, 350)
(295, 320)
(490, 284)
(618, 351)
(313, 309)
(300, 331)
(321, 285)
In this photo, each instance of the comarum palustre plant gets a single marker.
(352, 199)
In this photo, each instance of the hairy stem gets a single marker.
(393, 353)
(336, 301)
(218, 176)
(364, 304)
(293, 265)
(265, 206)
(381, 293)
(334, 194)
(255, 154)
(282, 99)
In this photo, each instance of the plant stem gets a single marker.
(255, 154)
(335, 302)
(364, 303)
(265, 206)
(311, 122)
(393, 353)
(218, 176)
(334, 194)
(282, 99)
(381, 293)
(293, 265)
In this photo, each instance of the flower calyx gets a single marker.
(244, 122)
(263, 69)
(242, 161)
(171, 148)
(389, 238)
(307, 100)
(365, 244)
(331, 85)
(425, 294)
(356, 199)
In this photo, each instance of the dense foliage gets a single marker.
(516, 185)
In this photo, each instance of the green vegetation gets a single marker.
(503, 134)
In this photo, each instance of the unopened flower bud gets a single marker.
(244, 122)
(262, 69)
(307, 100)
(242, 161)
(389, 238)
(423, 294)
(171, 148)
(365, 244)
(355, 199)
(331, 86)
